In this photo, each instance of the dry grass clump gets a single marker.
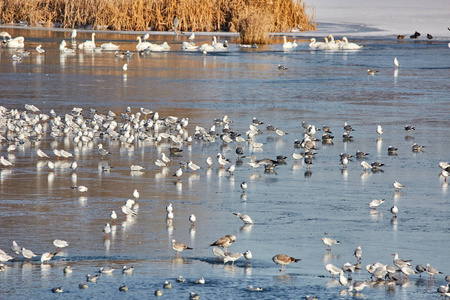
(256, 26)
(194, 15)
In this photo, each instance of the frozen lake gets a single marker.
(293, 207)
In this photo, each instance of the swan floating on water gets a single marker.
(39, 49)
(89, 44)
(189, 46)
(345, 45)
(109, 47)
(17, 42)
(142, 46)
(289, 45)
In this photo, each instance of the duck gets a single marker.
(142, 46)
(89, 44)
(345, 45)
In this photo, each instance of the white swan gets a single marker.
(287, 45)
(109, 47)
(89, 44)
(207, 47)
(220, 46)
(17, 42)
(141, 46)
(39, 49)
(333, 45)
(323, 46)
(189, 46)
(5, 35)
(314, 45)
(345, 45)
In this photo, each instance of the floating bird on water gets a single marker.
(392, 150)
(400, 37)
(127, 270)
(282, 68)
(417, 147)
(284, 260)
(371, 72)
(409, 128)
(57, 290)
(429, 36)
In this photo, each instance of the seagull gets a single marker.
(248, 255)
(106, 270)
(39, 49)
(365, 165)
(379, 130)
(218, 252)
(392, 150)
(329, 242)
(169, 208)
(231, 169)
(371, 72)
(409, 128)
(193, 166)
(282, 68)
(232, 257)
(125, 67)
(200, 281)
(224, 242)
(191, 37)
(376, 202)
(128, 211)
(136, 194)
(407, 271)
(67, 270)
(284, 260)
(164, 158)
(127, 270)
(396, 63)
(83, 285)
(358, 286)
(394, 211)
(444, 174)
(245, 218)
(358, 253)
(5, 162)
(136, 168)
(177, 246)
(244, 186)
(41, 153)
(178, 173)
(15, 248)
(398, 185)
(251, 288)
(167, 285)
(194, 296)
(73, 35)
(420, 269)
(28, 253)
(333, 269)
(107, 229)
(400, 262)
(80, 188)
(209, 161)
(102, 151)
(57, 290)
(342, 279)
(47, 256)
(59, 244)
(92, 278)
(113, 216)
(123, 288)
(192, 219)
(417, 147)
(432, 270)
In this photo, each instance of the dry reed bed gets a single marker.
(194, 15)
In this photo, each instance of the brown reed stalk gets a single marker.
(194, 15)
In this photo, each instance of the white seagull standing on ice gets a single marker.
(192, 219)
(398, 185)
(136, 194)
(59, 244)
(396, 63)
(376, 202)
(245, 218)
(379, 130)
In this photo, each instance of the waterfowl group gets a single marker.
(330, 44)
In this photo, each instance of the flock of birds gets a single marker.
(23, 127)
